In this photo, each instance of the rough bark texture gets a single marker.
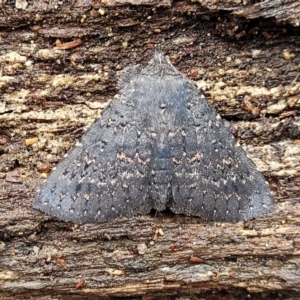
(51, 91)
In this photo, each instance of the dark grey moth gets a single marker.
(158, 144)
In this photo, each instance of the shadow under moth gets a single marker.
(158, 144)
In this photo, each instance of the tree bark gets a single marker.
(59, 67)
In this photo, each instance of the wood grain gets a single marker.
(247, 69)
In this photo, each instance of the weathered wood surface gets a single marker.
(248, 71)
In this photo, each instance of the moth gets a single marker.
(157, 145)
